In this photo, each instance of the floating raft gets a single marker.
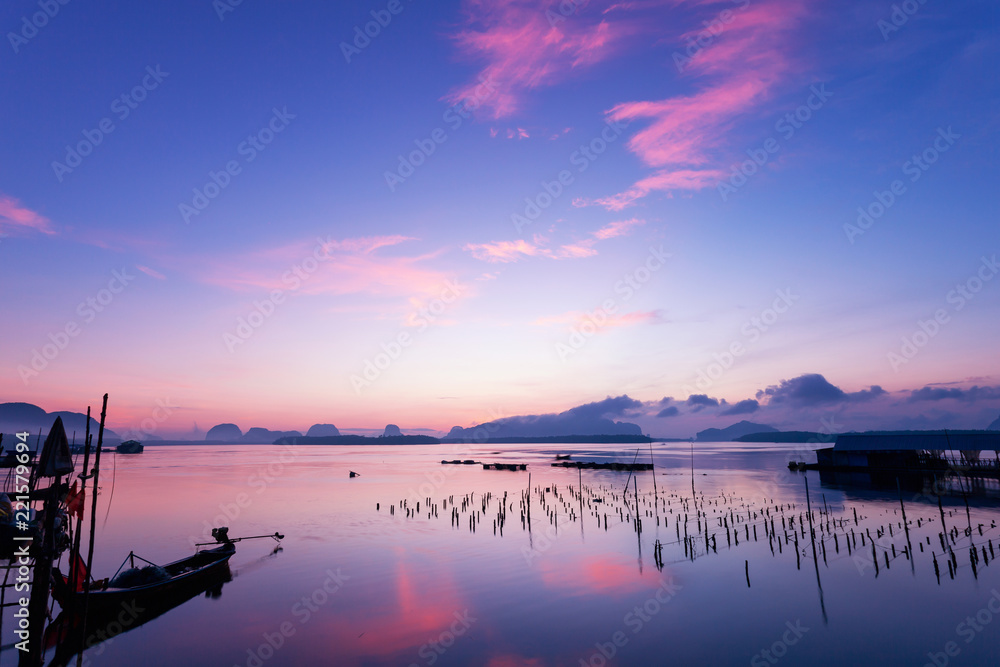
(456, 462)
(505, 466)
(591, 465)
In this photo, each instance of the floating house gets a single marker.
(130, 447)
(918, 452)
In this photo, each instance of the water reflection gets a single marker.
(546, 591)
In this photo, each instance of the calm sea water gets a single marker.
(356, 583)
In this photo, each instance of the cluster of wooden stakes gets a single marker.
(701, 523)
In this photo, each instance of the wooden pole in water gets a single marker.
(906, 527)
(631, 469)
(944, 528)
(812, 538)
(692, 474)
(656, 497)
(93, 526)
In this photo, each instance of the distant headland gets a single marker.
(584, 424)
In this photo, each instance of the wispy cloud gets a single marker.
(619, 228)
(688, 138)
(576, 318)
(503, 251)
(539, 246)
(338, 267)
(151, 272)
(14, 215)
(530, 44)
(971, 395)
(512, 251)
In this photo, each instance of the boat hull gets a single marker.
(187, 575)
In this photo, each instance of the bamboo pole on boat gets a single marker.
(39, 598)
(74, 554)
(93, 528)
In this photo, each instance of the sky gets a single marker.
(441, 213)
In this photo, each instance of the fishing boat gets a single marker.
(145, 586)
(71, 631)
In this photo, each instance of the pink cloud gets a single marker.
(511, 251)
(688, 137)
(13, 214)
(151, 272)
(502, 251)
(665, 180)
(618, 228)
(575, 318)
(330, 266)
(573, 250)
(529, 44)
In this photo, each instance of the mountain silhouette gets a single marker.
(224, 433)
(730, 433)
(322, 431)
(18, 417)
(257, 436)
